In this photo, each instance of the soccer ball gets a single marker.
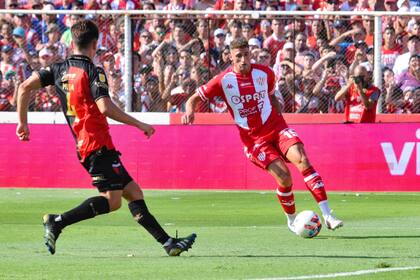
(307, 224)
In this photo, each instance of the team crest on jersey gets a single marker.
(102, 78)
(261, 156)
(261, 81)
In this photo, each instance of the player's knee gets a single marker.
(114, 203)
(285, 181)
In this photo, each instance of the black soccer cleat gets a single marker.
(179, 245)
(52, 231)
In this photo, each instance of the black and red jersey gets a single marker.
(79, 84)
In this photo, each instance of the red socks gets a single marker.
(314, 184)
(287, 199)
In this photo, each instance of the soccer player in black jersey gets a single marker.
(83, 91)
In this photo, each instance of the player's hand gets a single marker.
(187, 118)
(147, 129)
(22, 132)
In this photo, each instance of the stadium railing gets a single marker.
(134, 95)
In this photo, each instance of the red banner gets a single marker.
(349, 157)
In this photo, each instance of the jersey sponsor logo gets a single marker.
(97, 178)
(246, 112)
(248, 97)
(229, 86)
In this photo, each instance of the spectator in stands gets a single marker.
(7, 62)
(264, 57)
(413, 100)
(402, 61)
(151, 99)
(116, 89)
(179, 38)
(146, 42)
(411, 76)
(254, 48)
(361, 97)
(275, 41)
(235, 31)
(203, 33)
(48, 19)
(6, 93)
(46, 56)
(6, 34)
(287, 87)
(219, 43)
(360, 56)
(175, 5)
(318, 31)
(390, 49)
(119, 56)
(306, 100)
(392, 94)
(66, 37)
(159, 34)
(265, 30)
(225, 61)
(54, 35)
(301, 48)
(24, 21)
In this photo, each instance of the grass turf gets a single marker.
(241, 235)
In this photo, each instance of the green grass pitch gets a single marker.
(241, 235)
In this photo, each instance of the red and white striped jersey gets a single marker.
(248, 98)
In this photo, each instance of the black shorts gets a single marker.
(106, 170)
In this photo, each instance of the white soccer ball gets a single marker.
(307, 224)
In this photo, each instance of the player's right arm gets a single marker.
(188, 117)
(205, 92)
(23, 97)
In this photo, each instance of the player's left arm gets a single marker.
(109, 109)
(23, 97)
(99, 90)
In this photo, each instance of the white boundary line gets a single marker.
(343, 274)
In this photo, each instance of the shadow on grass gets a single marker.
(298, 256)
(373, 237)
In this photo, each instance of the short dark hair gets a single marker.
(239, 43)
(83, 33)
(413, 37)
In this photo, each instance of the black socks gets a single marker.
(89, 208)
(142, 215)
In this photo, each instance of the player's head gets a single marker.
(240, 55)
(85, 35)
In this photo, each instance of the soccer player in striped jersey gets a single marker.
(248, 90)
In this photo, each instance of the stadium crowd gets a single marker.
(312, 57)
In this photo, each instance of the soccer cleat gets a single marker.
(52, 231)
(332, 222)
(179, 245)
(290, 222)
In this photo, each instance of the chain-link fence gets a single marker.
(313, 57)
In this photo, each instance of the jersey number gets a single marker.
(68, 88)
